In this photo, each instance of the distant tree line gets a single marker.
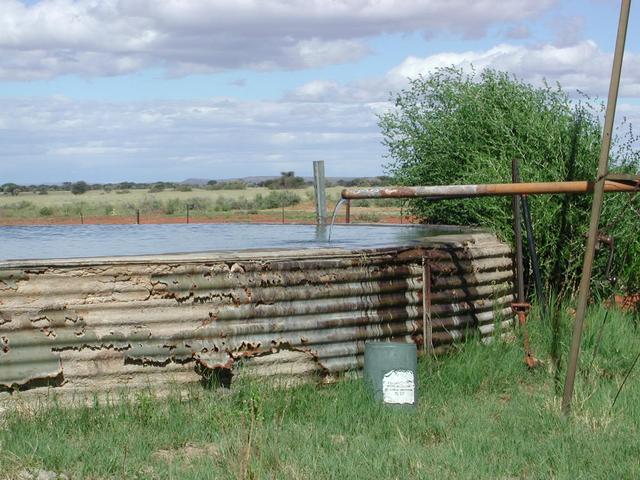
(286, 181)
(379, 181)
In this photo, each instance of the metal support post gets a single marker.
(596, 209)
(347, 211)
(320, 192)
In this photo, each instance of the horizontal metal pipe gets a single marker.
(483, 190)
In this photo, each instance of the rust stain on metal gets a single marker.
(96, 324)
(437, 192)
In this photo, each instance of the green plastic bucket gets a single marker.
(390, 369)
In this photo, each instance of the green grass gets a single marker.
(100, 203)
(481, 414)
(216, 204)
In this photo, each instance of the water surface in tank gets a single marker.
(72, 241)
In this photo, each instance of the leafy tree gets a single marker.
(78, 188)
(287, 180)
(455, 128)
(11, 189)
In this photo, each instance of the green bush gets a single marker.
(149, 204)
(21, 205)
(73, 209)
(46, 211)
(78, 188)
(456, 128)
(275, 199)
(173, 205)
(199, 203)
(368, 217)
(222, 204)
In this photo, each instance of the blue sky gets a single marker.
(145, 90)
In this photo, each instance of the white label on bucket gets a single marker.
(398, 387)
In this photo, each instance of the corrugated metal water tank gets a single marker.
(108, 323)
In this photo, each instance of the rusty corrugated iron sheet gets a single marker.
(99, 324)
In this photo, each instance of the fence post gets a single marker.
(320, 192)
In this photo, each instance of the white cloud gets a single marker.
(57, 139)
(95, 38)
(580, 66)
(91, 149)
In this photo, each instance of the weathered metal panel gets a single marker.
(98, 324)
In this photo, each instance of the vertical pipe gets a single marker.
(347, 212)
(320, 192)
(138, 216)
(81, 218)
(283, 193)
(517, 230)
(533, 254)
(187, 213)
(596, 209)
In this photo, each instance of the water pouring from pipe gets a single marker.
(333, 217)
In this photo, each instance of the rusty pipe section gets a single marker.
(102, 324)
(439, 192)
